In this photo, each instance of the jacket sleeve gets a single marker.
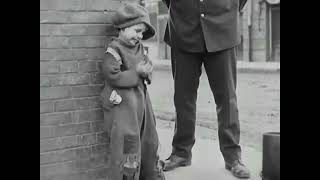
(117, 78)
(167, 2)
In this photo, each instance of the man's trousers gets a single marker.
(221, 71)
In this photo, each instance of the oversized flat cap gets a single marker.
(131, 14)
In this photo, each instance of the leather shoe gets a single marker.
(175, 161)
(238, 169)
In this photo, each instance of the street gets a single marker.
(258, 103)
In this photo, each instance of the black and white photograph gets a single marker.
(159, 89)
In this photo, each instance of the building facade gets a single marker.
(260, 31)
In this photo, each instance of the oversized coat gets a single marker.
(199, 25)
(131, 124)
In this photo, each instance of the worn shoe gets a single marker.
(155, 174)
(238, 169)
(175, 161)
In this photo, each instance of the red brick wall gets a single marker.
(73, 34)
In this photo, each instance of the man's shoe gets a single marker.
(238, 169)
(175, 161)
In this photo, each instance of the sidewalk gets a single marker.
(207, 161)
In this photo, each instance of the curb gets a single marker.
(201, 120)
(242, 67)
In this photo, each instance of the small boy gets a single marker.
(128, 113)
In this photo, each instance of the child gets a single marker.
(128, 113)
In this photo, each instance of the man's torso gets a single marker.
(196, 24)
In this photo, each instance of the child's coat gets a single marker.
(131, 123)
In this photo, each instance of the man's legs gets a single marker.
(186, 72)
(221, 70)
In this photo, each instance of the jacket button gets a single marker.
(202, 15)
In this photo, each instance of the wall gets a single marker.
(259, 31)
(73, 34)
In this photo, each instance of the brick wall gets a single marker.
(73, 34)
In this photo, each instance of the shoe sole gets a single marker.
(184, 164)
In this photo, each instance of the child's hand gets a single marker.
(149, 65)
(141, 68)
(149, 78)
(144, 68)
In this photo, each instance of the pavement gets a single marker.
(207, 161)
(242, 66)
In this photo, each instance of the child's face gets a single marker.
(133, 34)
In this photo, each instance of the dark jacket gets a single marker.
(194, 25)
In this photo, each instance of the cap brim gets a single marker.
(149, 33)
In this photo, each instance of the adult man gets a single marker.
(205, 31)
